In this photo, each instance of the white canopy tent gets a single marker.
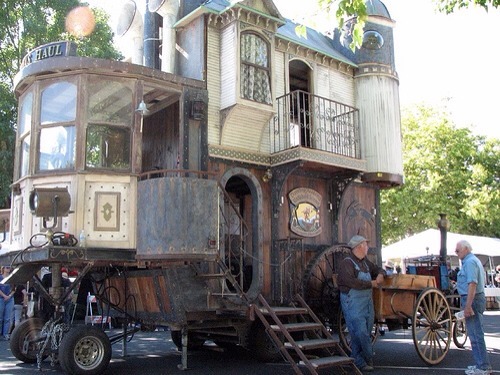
(428, 243)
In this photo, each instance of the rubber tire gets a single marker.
(194, 343)
(74, 355)
(29, 328)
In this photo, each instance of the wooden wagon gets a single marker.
(406, 300)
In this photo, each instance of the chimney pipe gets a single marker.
(443, 225)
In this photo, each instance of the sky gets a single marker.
(445, 61)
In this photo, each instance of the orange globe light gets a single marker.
(80, 21)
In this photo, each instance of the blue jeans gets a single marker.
(475, 331)
(6, 311)
(359, 314)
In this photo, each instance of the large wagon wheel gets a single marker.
(431, 326)
(320, 290)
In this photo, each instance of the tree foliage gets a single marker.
(25, 25)
(447, 170)
(450, 6)
(356, 11)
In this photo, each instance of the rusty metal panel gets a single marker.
(160, 296)
(177, 217)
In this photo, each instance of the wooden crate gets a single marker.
(398, 294)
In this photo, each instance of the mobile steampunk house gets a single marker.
(215, 177)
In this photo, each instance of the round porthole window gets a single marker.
(372, 39)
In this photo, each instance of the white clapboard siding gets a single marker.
(213, 85)
(379, 120)
(279, 73)
(342, 88)
(228, 65)
(244, 129)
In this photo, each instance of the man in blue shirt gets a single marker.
(470, 286)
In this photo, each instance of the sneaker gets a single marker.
(6, 337)
(478, 371)
(470, 369)
(367, 368)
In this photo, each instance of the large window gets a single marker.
(24, 132)
(255, 72)
(110, 115)
(57, 140)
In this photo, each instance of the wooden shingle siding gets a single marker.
(213, 85)
(228, 65)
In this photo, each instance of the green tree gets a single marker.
(348, 9)
(449, 6)
(447, 170)
(25, 25)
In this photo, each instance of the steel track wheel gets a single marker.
(320, 290)
(460, 333)
(431, 326)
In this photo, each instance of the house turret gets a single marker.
(377, 96)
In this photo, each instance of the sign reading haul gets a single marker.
(47, 51)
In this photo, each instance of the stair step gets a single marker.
(284, 310)
(323, 362)
(292, 327)
(312, 344)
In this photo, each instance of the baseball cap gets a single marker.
(356, 240)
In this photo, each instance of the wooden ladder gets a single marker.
(303, 336)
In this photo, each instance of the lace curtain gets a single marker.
(255, 80)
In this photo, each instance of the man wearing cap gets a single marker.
(357, 276)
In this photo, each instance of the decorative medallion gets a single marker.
(304, 212)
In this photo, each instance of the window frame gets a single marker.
(71, 144)
(260, 68)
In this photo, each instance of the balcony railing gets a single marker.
(315, 122)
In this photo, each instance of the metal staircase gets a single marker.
(303, 339)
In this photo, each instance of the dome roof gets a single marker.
(377, 8)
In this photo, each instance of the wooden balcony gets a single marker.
(317, 129)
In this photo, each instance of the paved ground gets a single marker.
(154, 353)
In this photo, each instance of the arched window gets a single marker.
(255, 71)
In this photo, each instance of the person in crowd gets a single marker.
(20, 302)
(47, 309)
(470, 287)
(6, 304)
(389, 267)
(356, 278)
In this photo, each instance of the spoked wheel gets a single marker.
(460, 333)
(431, 326)
(85, 350)
(27, 340)
(345, 337)
(320, 289)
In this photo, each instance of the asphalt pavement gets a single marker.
(153, 353)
